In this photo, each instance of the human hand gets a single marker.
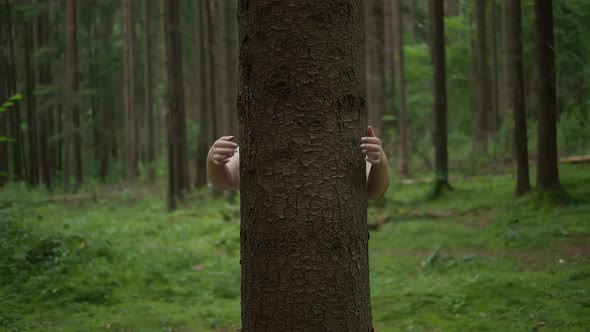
(371, 147)
(222, 150)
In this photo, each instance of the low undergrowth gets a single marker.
(475, 259)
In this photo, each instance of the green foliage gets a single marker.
(475, 259)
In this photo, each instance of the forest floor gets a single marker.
(476, 259)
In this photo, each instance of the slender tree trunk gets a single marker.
(108, 132)
(71, 89)
(75, 105)
(303, 204)
(495, 89)
(389, 44)
(412, 20)
(514, 89)
(45, 116)
(440, 95)
(402, 122)
(14, 114)
(483, 78)
(174, 98)
(147, 57)
(375, 40)
(547, 168)
(203, 140)
(212, 77)
(129, 89)
(4, 152)
(232, 64)
(33, 170)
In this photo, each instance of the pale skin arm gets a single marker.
(223, 165)
(377, 166)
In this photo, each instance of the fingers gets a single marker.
(371, 140)
(371, 132)
(220, 143)
(371, 147)
(373, 160)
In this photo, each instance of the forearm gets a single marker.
(378, 179)
(221, 175)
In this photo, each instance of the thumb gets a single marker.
(371, 132)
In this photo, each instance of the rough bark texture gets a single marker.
(402, 122)
(484, 99)
(440, 94)
(514, 89)
(547, 169)
(301, 105)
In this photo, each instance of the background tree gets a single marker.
(547, 169)
(376, 64)
(301, 120)
(514, 90)
(150, 126)
(129, 94)
(402, 119)
(440, 95)
(484, 100)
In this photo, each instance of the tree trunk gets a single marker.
(4, 152)
(44, 130)
(14, 114)
(203, 140)
(402, 122)
(33, 170)
(376, 56)
(129, 94)
(547, 169)
(174, 99)
(411, 20)
(301, 106)
(147, 57)
(232, 65)
(514, 90)
(389, 44)
(71, 127)
(483, 78)
(495, 89)
(440, 95)
(212, 77)
(107, 133)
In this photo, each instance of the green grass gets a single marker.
(477, 259)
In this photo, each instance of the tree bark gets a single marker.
(483, 78)
(547, 169)
(301, 106)
(440, 95)
(204, 139)
(411, 20)
(14, 119)
(174, 98)
(129, 94)
(33, 162)
(147, 58)
(4, 152)
(376, 64)
(232, 65)
(402, 122)
(495, 127)
(514, 89)
(212, 76)
(107, 140)
(46, 150)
